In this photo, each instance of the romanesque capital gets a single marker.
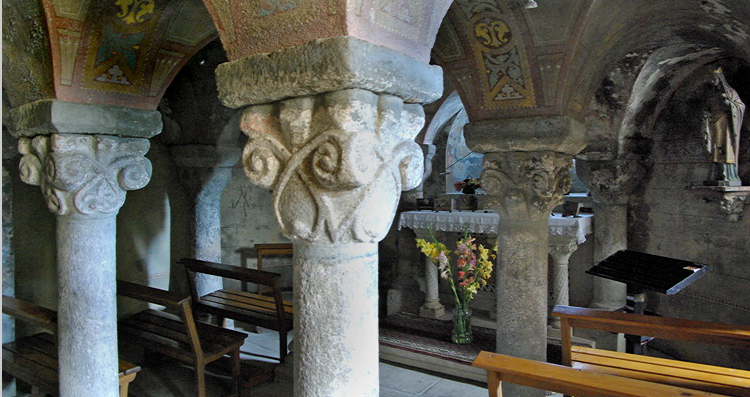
(84, 174)
(525, 184)
(611, 181)
(561, 248)
(337, 162)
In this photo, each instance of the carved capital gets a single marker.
(337, 162)
(526, 184)
(84, 174)
(611, 181)
(561, 248)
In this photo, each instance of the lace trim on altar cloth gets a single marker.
(457, 221)
(488, 223)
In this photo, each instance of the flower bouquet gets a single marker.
(473, 269)
(468, 185)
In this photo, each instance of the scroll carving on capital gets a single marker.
(84, 174)
(526, 184)
(337, 162)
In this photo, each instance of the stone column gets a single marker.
(611, 182)
(560, 250)
(204, 171)
(431, 308)
(526, 171)
(83, 178)
(337, 153)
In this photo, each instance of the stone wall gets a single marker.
(246, 217)
(666, 219)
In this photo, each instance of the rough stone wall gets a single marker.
(665, 219)
(246, 217)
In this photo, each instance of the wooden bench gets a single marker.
(179, 337)
(573, 382)
(262, 250)
(33, 359)
(689, 375)
(270, 312)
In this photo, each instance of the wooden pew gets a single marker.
(262, 250)
(179, 337)
(558, 378)
(33, 359)
(708, 378)
(271, 312)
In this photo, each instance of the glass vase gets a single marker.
(461, 333)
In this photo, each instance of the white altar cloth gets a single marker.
(487, 222)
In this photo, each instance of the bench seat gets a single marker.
(33, 359)
(266, 311)
(708, 378)
(179, 337)
(569, 381)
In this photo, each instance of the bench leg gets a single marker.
(125, 383)
(200, 378)
(235, 363)
(282, 346)
(494, 385)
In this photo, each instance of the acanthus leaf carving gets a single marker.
(526, 184)
(336, 162)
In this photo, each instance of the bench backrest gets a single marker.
(638, 324)
(169, 300)
(30, 313)
(261, 277)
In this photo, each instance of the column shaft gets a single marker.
(431, 308)
(87, 308)
(609, 294)
(336, 320)
(207, 229)
(522, 288)
(560, 250)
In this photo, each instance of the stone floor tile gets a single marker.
(405, 380)
(449, 388)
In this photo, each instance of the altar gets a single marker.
(566, 233)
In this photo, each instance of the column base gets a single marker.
(432, 310)
(403, 301)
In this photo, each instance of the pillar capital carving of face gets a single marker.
(337, 162)
(525, 185)
(84, 174)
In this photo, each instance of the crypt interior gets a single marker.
(140, 132)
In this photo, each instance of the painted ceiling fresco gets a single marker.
(504, 59)
(122, 52)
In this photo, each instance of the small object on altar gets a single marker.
(466, 202)
(424, 204)
(468, 185)
(442, 204)
(571, 208)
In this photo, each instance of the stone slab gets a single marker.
(327, 65)
(559, 134)
(47, 117)
(439, 365)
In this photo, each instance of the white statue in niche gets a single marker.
(722, 123)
